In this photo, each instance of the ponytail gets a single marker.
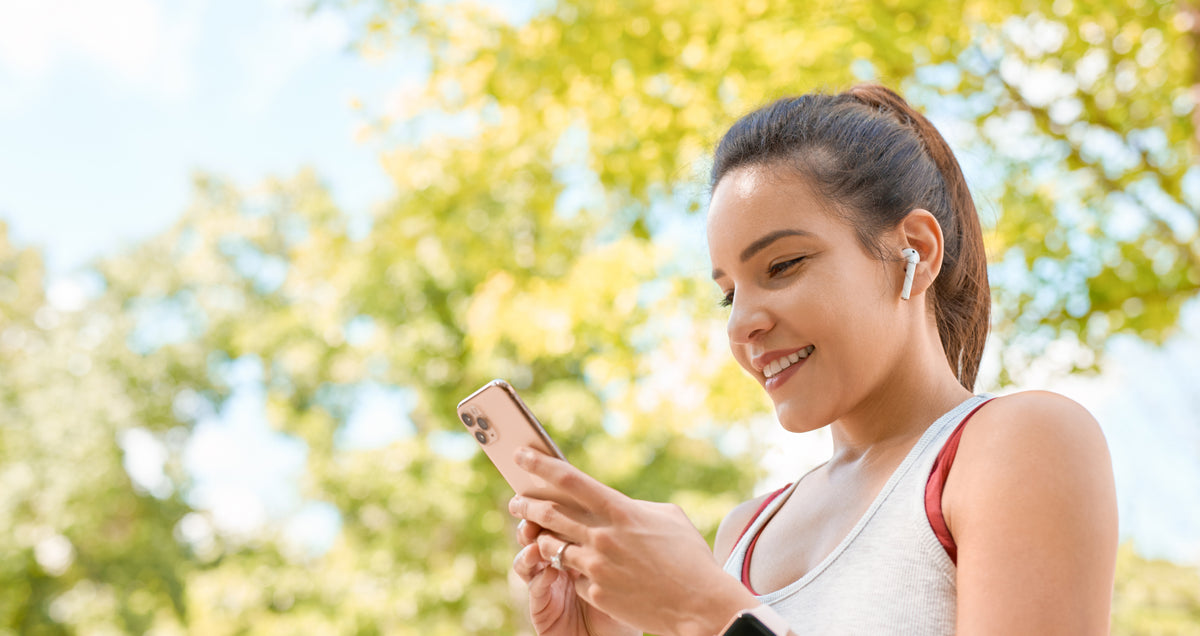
(879, 158)
(962, 297)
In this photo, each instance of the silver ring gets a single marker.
(556, 560)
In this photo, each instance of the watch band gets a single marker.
(752, 622)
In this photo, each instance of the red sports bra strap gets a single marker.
(750, 548)
(937, 483)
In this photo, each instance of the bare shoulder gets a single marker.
(1030, 440)
(1040, 406)
(1032, 427)
(732, 526)
(1031, 503)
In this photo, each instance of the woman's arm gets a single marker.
(1031, 504)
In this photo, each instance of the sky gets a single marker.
(108, 109)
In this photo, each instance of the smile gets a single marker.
(776, 367)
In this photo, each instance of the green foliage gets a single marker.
(1154, 596)
(79, 545)
(527, 242)
(1083, 113)
(1109, 243)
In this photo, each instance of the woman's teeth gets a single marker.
(779, 365)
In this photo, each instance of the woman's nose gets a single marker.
(747, 321)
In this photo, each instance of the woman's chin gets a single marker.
(795, 422)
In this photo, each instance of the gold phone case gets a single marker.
(501, 423)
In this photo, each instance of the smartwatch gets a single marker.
(760, 621)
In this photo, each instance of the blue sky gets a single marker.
(107, 109)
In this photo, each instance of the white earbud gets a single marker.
(910, 269)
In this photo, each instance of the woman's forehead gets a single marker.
(752, 199)
(744, 182)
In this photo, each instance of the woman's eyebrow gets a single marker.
(761, 243)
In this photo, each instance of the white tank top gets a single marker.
(890, 574)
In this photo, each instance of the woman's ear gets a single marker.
(921, 231)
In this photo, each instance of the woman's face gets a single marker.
(803, 290)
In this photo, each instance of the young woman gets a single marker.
(848, 249)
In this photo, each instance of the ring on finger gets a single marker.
(556, 560)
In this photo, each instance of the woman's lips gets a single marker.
(784, 375)
(779, 364)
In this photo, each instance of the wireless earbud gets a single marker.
(910, 269)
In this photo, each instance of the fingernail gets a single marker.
(524, 457)
(513, 504)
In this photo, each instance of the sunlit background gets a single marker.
(256, 252)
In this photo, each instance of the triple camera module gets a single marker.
(483, 432)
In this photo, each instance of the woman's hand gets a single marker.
(554, 607)
(640, 563)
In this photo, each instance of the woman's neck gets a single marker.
(919, 389)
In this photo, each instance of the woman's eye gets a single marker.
(779, 268)
(726, 300)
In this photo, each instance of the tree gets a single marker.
(1083, 115)
(79, 544)
(1153, 596)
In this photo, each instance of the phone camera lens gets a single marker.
(483, 424)
(468, 419)
(479, 435)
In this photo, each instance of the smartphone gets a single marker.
(501, 423)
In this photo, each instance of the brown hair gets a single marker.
(878, 159)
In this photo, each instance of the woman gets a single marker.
(848, 249)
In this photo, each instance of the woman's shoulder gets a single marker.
(1031, 504)
(1029, 428)
(734, 524)
(1027, 454)
(1034, 423)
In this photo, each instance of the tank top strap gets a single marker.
(750, 548)
(936, 484)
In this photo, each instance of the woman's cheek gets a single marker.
(743, 360)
